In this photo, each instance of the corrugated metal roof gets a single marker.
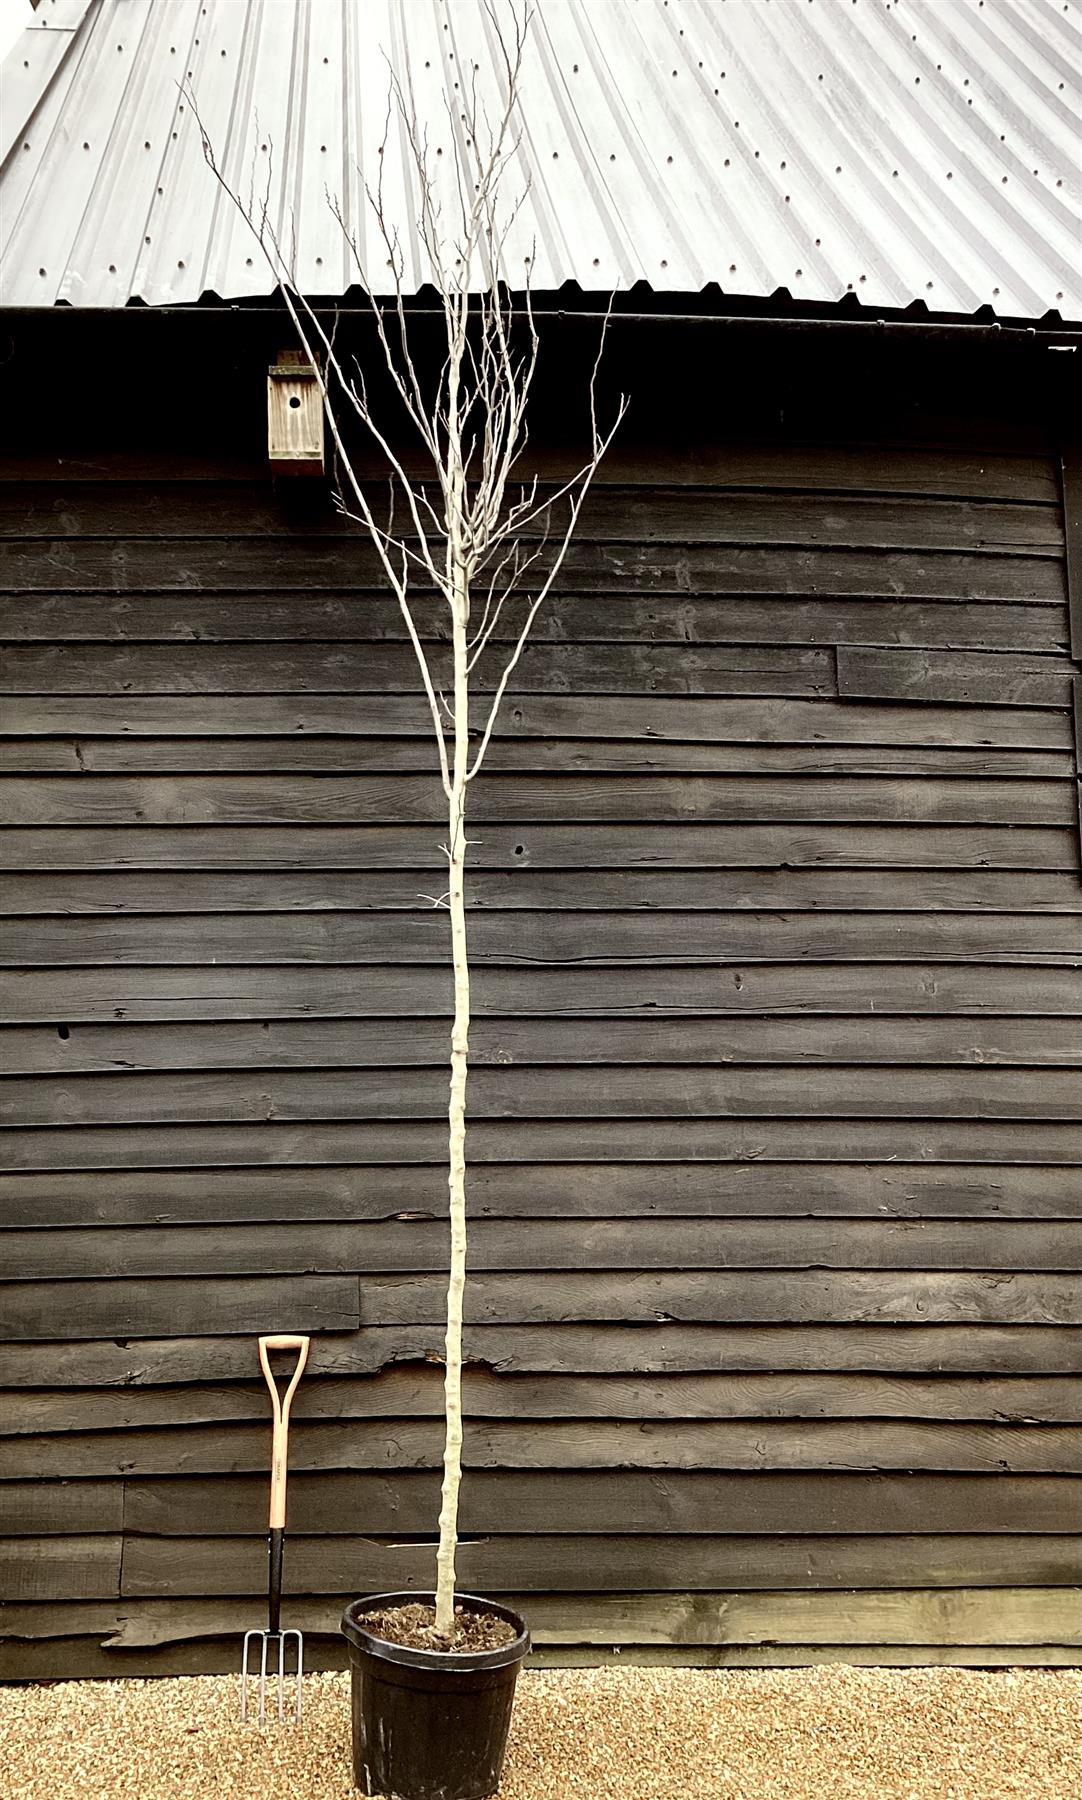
(895, 149)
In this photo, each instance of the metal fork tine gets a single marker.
(248, 1636)
(298, 1679)
(266, 1669)
(263, 1681)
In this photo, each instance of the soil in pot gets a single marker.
(431, 1723)
(416, 1626)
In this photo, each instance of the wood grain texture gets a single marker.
(60, 1568)
(592, 1444)
(405, 1142)
(555, 758)
(959, 1615)
(926, 989)
(783, 564)
(42, 894)
(971, 677)
(958, 470)
(92, 800)
(161, 1567)
(58, 1508)
(691, 514)
(1033, 1621)
(1029, 624)
(324, 1194)
(105, 1254)
(379, 668)
(93, 1309)
(399, 1043)
(687, 1091)
(752, 1297)
(416, 1392)
(77, 1309)
(605, 1348)
(525, 846)
(558, 1501)
(545, 938)
(577, 719)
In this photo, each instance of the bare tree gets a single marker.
(476, 535)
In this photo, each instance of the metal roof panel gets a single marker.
(898, 150)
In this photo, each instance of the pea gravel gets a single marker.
(826, 1733)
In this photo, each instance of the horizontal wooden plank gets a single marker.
(136, 993)
(495, 1244)
(45, 1508)
(416, 1391)
(751, 1296)
(594, 1349)
(47, 1311)
(528, 1190)
(726, 1656)
(418, 1141)
(555, 757)
(971, 676)
(887, 1616)
(380, 668)
(92, 1309)
(351, 800)
(652, 722)
(1018, 1617)
(417, 1241)
(162, 1567)
(595, 1444)
(610, 1092)
(522, 847)
(59, 1568)
(771, 558)
(693, 515)
(540, 937)
(956, 470)
(1032, 625)
(587, 1501)
(384, 1043)
(43, 893)
(77, 1568)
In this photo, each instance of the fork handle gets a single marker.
(280, 1405)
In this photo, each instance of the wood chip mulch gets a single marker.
(827, 1733)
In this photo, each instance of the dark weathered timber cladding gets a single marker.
(774, 1313)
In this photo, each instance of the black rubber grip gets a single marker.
(274, 1587)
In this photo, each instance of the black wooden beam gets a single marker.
(1071, 471)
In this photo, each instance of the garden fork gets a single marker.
(279, 1462)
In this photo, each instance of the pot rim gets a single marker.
(412, 1656)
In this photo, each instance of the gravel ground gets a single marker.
(826, 1733)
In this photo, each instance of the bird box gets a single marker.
(294, 416)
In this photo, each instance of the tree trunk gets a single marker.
(456, 1122)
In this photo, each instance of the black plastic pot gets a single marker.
(430, 1724)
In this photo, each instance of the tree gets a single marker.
(477, 536)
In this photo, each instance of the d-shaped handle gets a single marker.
(280, 1405)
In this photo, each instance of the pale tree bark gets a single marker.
(481, 538)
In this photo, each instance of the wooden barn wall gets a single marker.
(775, 1111)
